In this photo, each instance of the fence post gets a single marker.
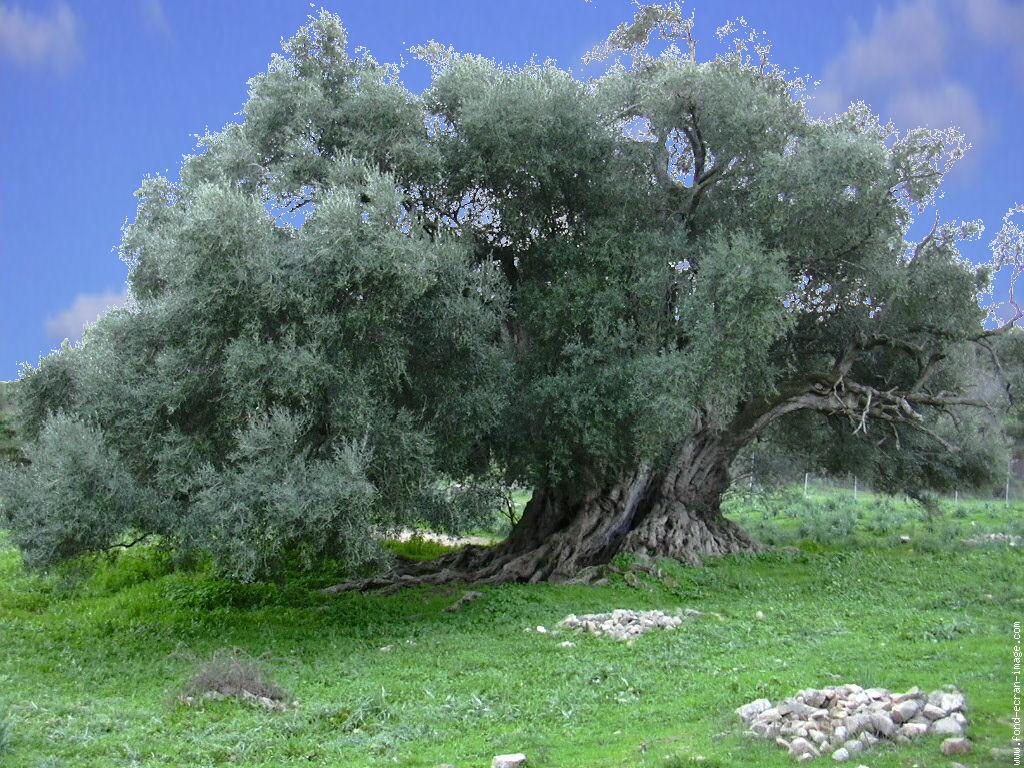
(806, 476)
(854, 487)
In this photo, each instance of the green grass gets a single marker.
(418, 548)
(90, 668)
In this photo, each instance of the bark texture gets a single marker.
(673, 513)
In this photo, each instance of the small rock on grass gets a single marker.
(958, 746)
(467, 597)
(509, 761)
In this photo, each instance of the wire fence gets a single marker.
(768, 469)
(1009, 491)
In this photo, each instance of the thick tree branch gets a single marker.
(861, 404)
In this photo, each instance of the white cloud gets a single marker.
(155, 18)
(86, 308)
(997, 21)
(904, 43)
(30, 38)
(900, 66)
(946, 104)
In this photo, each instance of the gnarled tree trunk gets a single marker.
(669, 513)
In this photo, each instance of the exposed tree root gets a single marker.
(563, 539)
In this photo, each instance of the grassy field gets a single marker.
(90, 669)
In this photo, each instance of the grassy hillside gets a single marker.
(91, 668)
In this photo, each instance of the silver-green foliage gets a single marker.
(358, 294)
(275, 390)
(75, 494)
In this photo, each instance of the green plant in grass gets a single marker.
(419, 548)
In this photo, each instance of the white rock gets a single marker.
(913, 693)
(801, 746)
(764, 730)
(857, 723)
(904, 710)
(844, 720)
(814, 698)
(749, 711)
(947, 702)
(947, 726)
(542, 630)
(882, 724)
(913, 730)
(622, 624)
(509, 761)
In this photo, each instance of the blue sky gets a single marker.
(95, 94)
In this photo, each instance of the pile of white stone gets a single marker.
(623, 624)
(1009, 539)
(847, 719)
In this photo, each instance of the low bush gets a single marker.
(234, 674)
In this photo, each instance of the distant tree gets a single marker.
(1006, 358)
(601, 289)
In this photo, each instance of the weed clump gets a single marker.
(235, 675)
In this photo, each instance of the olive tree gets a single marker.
(359, 306)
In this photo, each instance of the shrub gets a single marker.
(234, 674)
(829, 523)
(74, 496)
(273, 506)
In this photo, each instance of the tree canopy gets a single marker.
(361, 308)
